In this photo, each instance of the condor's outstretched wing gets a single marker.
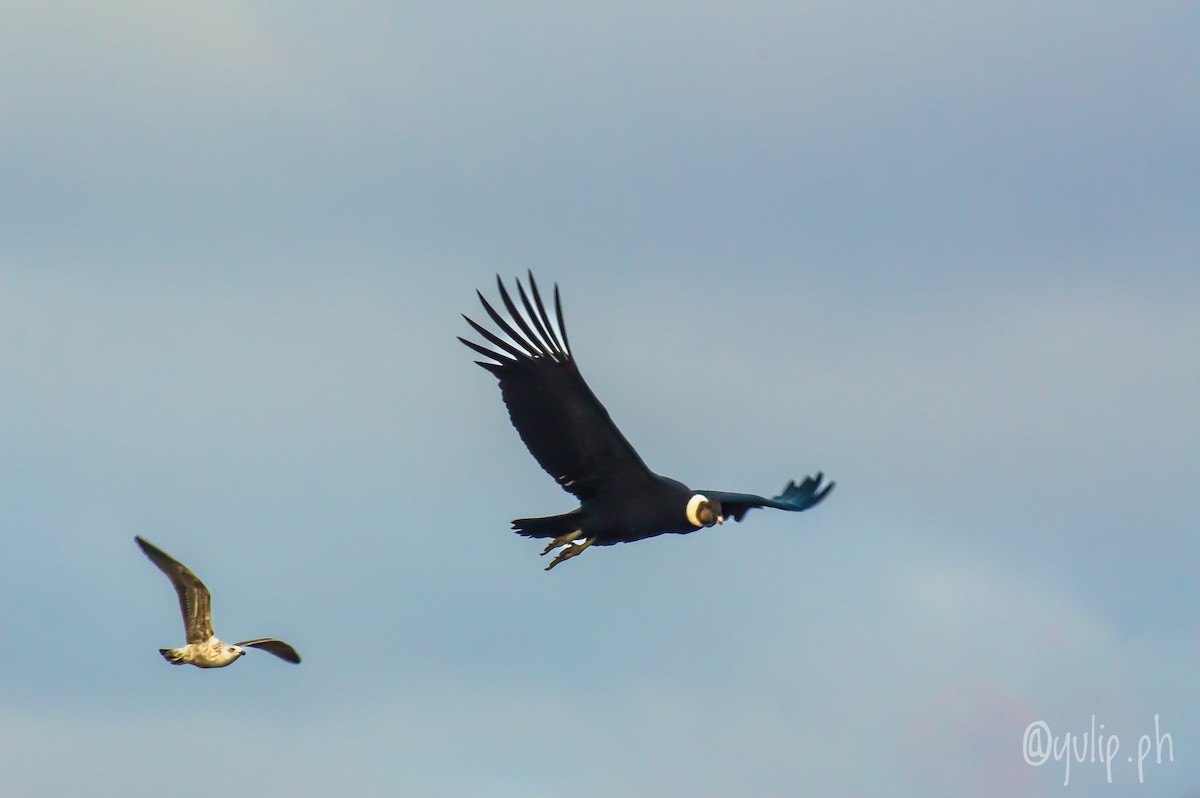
(808, 493)
(195, 601)
(561, 421)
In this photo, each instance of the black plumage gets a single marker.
(573, 438)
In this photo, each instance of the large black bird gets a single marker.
(573, 438)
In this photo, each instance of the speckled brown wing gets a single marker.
(195, 602)
(273, 646)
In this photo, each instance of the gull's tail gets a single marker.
(172, 655)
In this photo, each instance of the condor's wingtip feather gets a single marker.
(807, 494)
(562, 328)
(540, 323)
(487, 352)
(528, 349)
(495, 340)
(516, 316)
(537, 298)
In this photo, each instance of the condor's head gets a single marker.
(703, 511)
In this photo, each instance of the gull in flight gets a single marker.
(203, 649)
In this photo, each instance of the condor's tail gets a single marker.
(551, 526)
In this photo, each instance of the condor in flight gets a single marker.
(571, 436)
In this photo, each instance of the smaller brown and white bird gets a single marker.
(203, 649)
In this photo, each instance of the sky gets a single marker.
(945, 253)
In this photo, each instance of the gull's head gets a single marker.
(703, 511)
(235, 651)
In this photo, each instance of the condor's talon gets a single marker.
(561, 540)
(571, 550)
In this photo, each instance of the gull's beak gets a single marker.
(720, 519)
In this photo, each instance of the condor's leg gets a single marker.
(561, 540)
(569, 551)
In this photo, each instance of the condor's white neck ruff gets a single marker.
(693, 509)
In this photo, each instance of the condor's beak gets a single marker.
(720, 519)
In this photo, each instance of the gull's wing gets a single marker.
(808, 493)
(561, 421)
(194, 598)
(273, 646)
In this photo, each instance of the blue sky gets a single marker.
(948, 255)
